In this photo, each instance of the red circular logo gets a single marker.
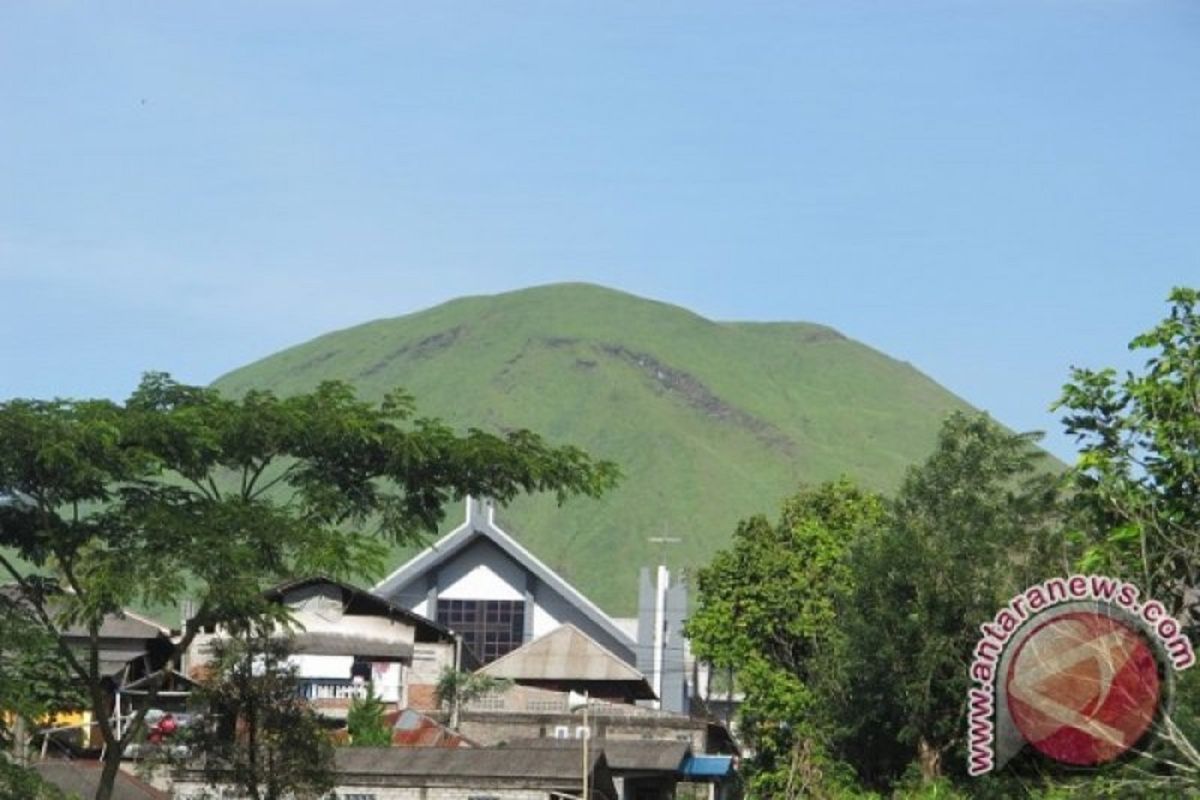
(1083, 688)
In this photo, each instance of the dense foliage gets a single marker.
(1138, 476)
(970, 527)
(767, 607)
(34, 685)
(1137, 487)
(851, 622)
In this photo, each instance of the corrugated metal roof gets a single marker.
(500, 762)
(623, 754)
(564, 654)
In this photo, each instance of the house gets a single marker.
(345, 637)
(480, 582)
(369, 773)
(131, 649)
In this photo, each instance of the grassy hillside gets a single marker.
(710, 421)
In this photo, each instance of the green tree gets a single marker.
(34, 684)
(182, 492)
(974, 524)
(256, 734)
(1138, 473)
(365, 722)
(1137, 488)
(767, 607)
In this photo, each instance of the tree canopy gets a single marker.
(851, 620)
(182, 492)
(767, 608)
(1138, 474)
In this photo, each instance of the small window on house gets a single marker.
(582, 732)
(562, 732)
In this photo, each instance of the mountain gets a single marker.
(710, 421)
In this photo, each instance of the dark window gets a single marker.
(490, 628)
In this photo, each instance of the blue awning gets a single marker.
(707, 767)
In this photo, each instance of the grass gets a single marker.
(710, 421)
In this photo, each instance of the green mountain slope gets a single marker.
(709, 421)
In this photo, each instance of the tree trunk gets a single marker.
(929, 758)
(20, 739)
(108, 775)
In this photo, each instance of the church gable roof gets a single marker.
(481, 523)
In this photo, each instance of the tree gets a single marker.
(34, 685)
(1138, 473)
(182, 492)
(456, 689)
(365, 722)
(971, 526)
(767, 608)
(257, 734)
(1137, 488)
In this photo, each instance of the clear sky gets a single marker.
(992, 190)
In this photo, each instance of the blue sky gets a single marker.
(992, 190)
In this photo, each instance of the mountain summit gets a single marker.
(710, 421)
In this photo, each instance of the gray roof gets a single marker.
(359, 600)
(567, 654)
(481, 522)
(335, 644)
(124, 624)
(82, 777)
(437, 762)
(626, 755)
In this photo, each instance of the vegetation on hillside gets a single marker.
(709, 421)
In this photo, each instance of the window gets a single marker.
(490, 628)
(562, 732)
